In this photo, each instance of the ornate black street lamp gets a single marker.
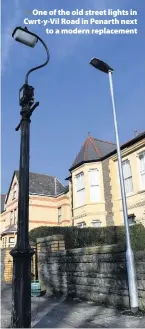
(22, 252)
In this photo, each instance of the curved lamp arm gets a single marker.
(45, 63)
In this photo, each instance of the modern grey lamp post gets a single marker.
(22, 252)
(133, 292)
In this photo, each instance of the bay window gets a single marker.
(94, 180)
(80, 189)
(127, 174)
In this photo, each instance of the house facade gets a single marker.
(92, 196)
(49, 204)
(96, 187)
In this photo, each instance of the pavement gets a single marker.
(61, 312)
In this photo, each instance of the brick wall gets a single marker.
(107, 193)
(97, 274)
(2, 264)
(7, 266)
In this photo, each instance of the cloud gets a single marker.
(9, 24)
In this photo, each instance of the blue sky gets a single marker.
(74, 98)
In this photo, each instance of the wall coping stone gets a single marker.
(107, 249)
(51, 238)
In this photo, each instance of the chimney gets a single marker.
(135, 132)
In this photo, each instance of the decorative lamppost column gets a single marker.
(22, 252)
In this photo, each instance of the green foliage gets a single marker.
(89, 237)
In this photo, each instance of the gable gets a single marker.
(14, 182)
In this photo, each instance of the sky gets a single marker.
(74, 97)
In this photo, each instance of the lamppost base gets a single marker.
(21, 288)
(134, 310)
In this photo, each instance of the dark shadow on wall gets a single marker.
(98, 275)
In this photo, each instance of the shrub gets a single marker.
(88, 237)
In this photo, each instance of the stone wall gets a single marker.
(97, 273)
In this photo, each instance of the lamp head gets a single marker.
(100, 65)
(24, 36)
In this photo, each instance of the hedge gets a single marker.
(89, 237)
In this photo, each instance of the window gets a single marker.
(5, 242)
(127, 177)
(142, 169)
(59, 215)
(15, 216)
(94, 185)
(82, 224)
(80, 189)
(96, 223)
(14, 192)
(11, 218)
(11, 241)
(131, 220)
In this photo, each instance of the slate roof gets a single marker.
(2, 202)
(93, 149)
(10, 229)
(40, 184)
(66, 189)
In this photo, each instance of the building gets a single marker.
(2, 196)
(93, 196)
(49, 204)
(95, 186)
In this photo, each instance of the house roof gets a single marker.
(95, 149)
(40, 184)
(66, 189)
(10, 229)
(43, 184)
(2, 203)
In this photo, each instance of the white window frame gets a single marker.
(131, 217)
(15, 191)
(11, 244)
(5, 241)
(94, 185)
(11, 218)
(127, 178)
(59, 214)
(81, 224)
(96, 221)
(142, 172)
(15, 216)
(79, 190)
